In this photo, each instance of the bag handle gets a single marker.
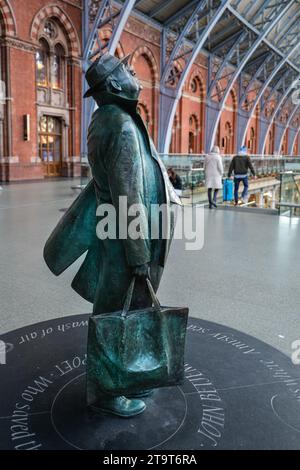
(129, 295)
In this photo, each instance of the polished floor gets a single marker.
(246, 276)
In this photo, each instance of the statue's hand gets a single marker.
(141, 271)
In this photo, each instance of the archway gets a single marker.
(196, 106)
(144, 64)
(227, 124)
(8, 18)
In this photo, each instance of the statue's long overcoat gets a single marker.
(124, 162)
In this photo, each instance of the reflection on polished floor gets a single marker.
(246, 276)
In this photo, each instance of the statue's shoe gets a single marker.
(119, 406)
(143, 394)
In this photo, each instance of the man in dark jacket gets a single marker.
(240, 164)
(124, 164)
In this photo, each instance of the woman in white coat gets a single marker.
(213, 168)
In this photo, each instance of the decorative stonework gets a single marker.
(75, 3)
(196, 75)
(55, 112)
(143, 31)
(202, 60)
(75, 62)
(56, 11)
(18, 44)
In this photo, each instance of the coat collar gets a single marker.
(127, 104)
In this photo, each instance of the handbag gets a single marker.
(132, 351)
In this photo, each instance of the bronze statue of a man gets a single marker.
(124, 163)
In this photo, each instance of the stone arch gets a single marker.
(55, 11)
(149, 56)
(9, 19)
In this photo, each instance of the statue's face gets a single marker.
(124, 76)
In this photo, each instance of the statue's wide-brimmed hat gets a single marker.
(98, 72)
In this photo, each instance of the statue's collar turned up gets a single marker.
(110, 98)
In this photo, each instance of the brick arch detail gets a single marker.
(106, 34)
(233, 93)
(8, 18)
(195, 118)
(55, 11)
(145, 51)
(196, 74)
(144, 105)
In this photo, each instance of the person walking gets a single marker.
(240, 164)
(213, 168)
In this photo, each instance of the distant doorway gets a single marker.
(50, 145)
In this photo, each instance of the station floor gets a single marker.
(245, 277)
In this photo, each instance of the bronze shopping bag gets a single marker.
(131, 351)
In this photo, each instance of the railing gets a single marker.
(264, 165)
(264, 192)
(289, 198)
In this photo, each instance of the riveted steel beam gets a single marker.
(265, 86)
(276, 110)
(290, 25)
(244, 36)
(262, 69)
(287, 126)
(262, 36)
(169, 96)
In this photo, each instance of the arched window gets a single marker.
(175, 141)
(144, 66)
(252, 143)
(50, 58)
(228, 138)
(271, 143)
(57, 75)
(42, 64)
(52, 93)
(193, 134)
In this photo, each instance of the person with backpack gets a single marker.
(240, 165)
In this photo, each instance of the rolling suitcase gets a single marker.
(228, 190)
